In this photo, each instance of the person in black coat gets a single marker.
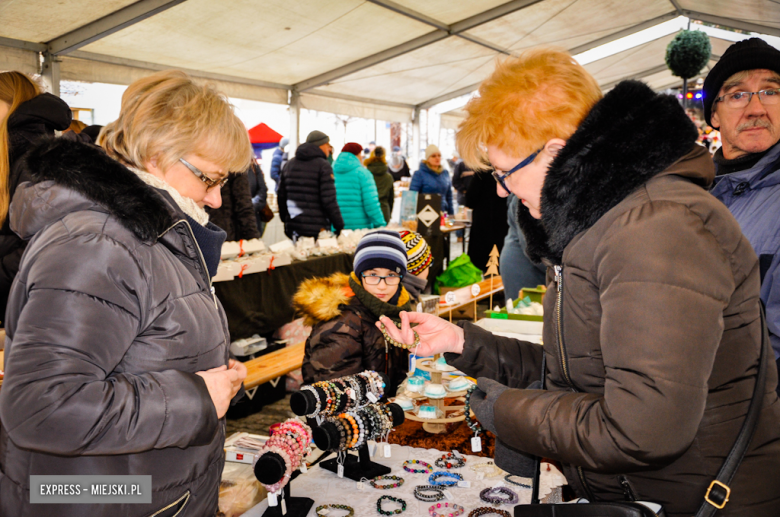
(307, 192)
(236, 215)
(461, 180)
(259, 192)
(397, 166)
(31, 116)
(489, 223)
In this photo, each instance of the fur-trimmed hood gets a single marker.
(319, 299)
(92, 181)
(629, 137)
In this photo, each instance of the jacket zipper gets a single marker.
(200, 254)
(563, 358)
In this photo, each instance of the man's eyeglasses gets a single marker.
(210, 183)
(375, 279)
(742, 99)
(501, 177)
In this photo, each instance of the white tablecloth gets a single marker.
(325, 487)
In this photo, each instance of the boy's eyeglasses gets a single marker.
(375, 279)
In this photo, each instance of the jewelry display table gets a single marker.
(327, 488)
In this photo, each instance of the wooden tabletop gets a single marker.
(268, 367)
(454, 228)
(484, 292)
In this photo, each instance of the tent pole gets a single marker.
(295, 121)
(50, 70)
(415, 154)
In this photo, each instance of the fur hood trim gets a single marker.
(87, 170)
(629, 137)
(318, 299)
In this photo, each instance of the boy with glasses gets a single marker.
(344, 309)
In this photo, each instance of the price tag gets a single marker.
(319, 420)
(480, 476)
(324, 511)
(464, 484)
(456, 453)
(371, 397)
(361, 486)
(419, 307)
(304, 468)
(500, 484)
(449, 298)
(475, 290)
(284, 507)
(372, 450)
(341, 471)
(272, 499)
(388, 451)
(447, 494)
(413, 364)
(476, 444)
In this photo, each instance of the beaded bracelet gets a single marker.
(486, 510)
(335, 507)
(398, 343)
(473, 424)
(318, 404)
(389, 478)
(426, 467)
(450, 461)
(491, 495)
(433, 479)
(390, 498)
(508, 479)
(489, 469)
(457, 509)
(437, 495)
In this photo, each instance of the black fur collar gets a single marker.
(87, 170)
(630, 136)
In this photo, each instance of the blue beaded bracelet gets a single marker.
(432, 479)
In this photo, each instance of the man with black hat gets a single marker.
(742, 100)
(307, 190)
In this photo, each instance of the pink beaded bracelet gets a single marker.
(433, 511)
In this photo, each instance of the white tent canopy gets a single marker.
(383, 59)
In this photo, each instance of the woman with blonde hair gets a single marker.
(129, 374)
(26, 115)
(652, 321)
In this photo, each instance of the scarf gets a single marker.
(187, 205)
(743, 163)
(414, 285)
(437, 170)
(377, 306)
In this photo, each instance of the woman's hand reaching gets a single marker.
(436, 335)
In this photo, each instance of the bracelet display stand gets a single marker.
(438, 425)
(355, 467)
(269, 469)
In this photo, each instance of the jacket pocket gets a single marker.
(173, 509)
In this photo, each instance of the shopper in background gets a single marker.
(356, 191)
(742, 99)
(236, 215)
(26, 116)
(377, 164)
(307, 192)
(652, 328)
(278, 161)
(462, 177)
(432, 178)
(397, 166)
(344, 309)
(259, 192)
(517, 270)
(116, 359)
(488, 219)
(418, 263)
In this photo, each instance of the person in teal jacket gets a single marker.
(356, 191)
